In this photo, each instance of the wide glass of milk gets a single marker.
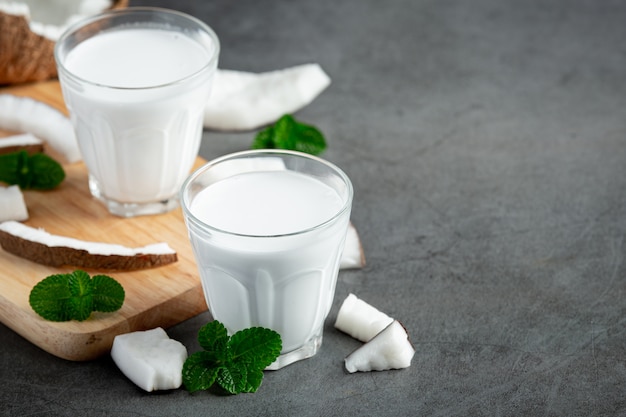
(136, 81)
(267, 229)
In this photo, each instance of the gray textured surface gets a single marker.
(486, 141)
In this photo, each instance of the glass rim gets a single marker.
(190, 217)
(139, 10)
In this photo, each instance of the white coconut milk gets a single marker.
(138, 125)
(250, 278)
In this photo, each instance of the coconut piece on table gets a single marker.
(25, 141)
(24, 114)
(27, 36)
(41, 247)
(12, 205)
(353, 256)
(244, 101)
(389, 349)
(150, 359)
(360, 319)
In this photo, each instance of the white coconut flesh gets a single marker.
(245, 101)
(49, 18)
(24, 114)
(12, 205)
(42, 247)
(23, 140)
(150, 359)
(389, 349)
(360, 319)
(352, 256)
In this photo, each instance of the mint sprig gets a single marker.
(288, 133)
(36, 172)
(74, 296)
(236, 363)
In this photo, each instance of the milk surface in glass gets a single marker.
(136, 95)
(276, 267)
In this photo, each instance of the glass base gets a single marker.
(132, 209)
(308, 350)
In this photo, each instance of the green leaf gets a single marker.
(285, 133)
(11, 167)
(49, 298)
(288, 133)
(199, 371)
(108, 294)
(263, 139)
(311, 140)
(235, 363)
(38, 171)
(257, 347)
(75, 296)
(81, 300)
(213, 338)
(46, 172)
(232, 377)
(253, 380)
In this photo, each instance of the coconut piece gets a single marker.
(244, 100)
(24, 114)
(389, 349)
(42, 247)
(12, 205)
(359, 319)
(29, 30)
(25, 55)
(150, 359)
(26, 141)
(353, 256)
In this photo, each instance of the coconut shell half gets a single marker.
(26, 56)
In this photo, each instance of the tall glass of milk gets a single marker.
(136, 81)
(267, 228)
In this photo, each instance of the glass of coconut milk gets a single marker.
(267, 229)
(136, 81)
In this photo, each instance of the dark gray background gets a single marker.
(486, 141)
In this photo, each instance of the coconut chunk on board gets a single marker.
(26, 141)
(12, 205)
(389, 349)
(39, 246)
(360, 319)
(150, 359)
(24, 114)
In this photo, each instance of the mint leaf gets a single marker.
(213, 338)
(199, 371)
(75, 296)
(257, 347)
(108, 294)
(47, 173)
(288, 133)
(81, 290)
(37, 172)
(253, 381)
(232, 377)
(49, 298)
(236, 363)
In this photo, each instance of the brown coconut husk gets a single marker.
(26, 56)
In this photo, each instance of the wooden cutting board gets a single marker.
(155, 297)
